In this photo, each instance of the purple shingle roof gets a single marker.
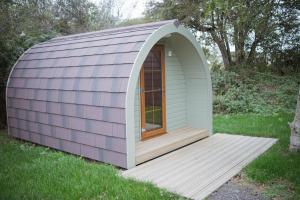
(69, 93)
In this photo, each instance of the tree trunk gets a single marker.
(225, 56)
(239, 37)
(222, 47)
(239, 47)
(251, 56)
(228, 49)
(295, 129)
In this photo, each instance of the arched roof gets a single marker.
(84, 83)
(192, 51)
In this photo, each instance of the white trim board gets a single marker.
(195, 59)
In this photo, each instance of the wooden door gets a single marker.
(152, 80)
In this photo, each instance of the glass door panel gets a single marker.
(152, 95)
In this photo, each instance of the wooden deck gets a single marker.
(200, 168)
(154, 147)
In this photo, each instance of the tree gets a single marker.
(295, 129)
(24, 23)
(242, 24)
(77, 16)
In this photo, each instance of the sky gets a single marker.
(132, 8)
(129, 9)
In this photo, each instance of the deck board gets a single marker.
(152, 148)
(200, 168)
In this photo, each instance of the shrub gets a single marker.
(249, 91)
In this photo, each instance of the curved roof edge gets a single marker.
(145, 49)
(111, 30)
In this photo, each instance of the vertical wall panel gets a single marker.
(175, 90)
(198, 88)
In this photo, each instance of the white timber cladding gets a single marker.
(176, 100)
(176, 107)
(198, 86)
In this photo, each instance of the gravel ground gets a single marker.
(237, 189)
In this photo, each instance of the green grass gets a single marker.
(278, 168)
(33, 172)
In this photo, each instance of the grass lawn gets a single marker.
(278, 169)
(34, 172)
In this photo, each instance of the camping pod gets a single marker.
(120, 96)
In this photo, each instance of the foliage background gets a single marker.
(243, 31)
(268, 84)
(258, 44)
(243, 90)
(24, 23)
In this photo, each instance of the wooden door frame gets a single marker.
(156, 132)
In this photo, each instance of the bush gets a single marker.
(10, 51)
(247, 91)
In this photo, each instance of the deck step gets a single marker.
(152, 148)
(198, 169)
